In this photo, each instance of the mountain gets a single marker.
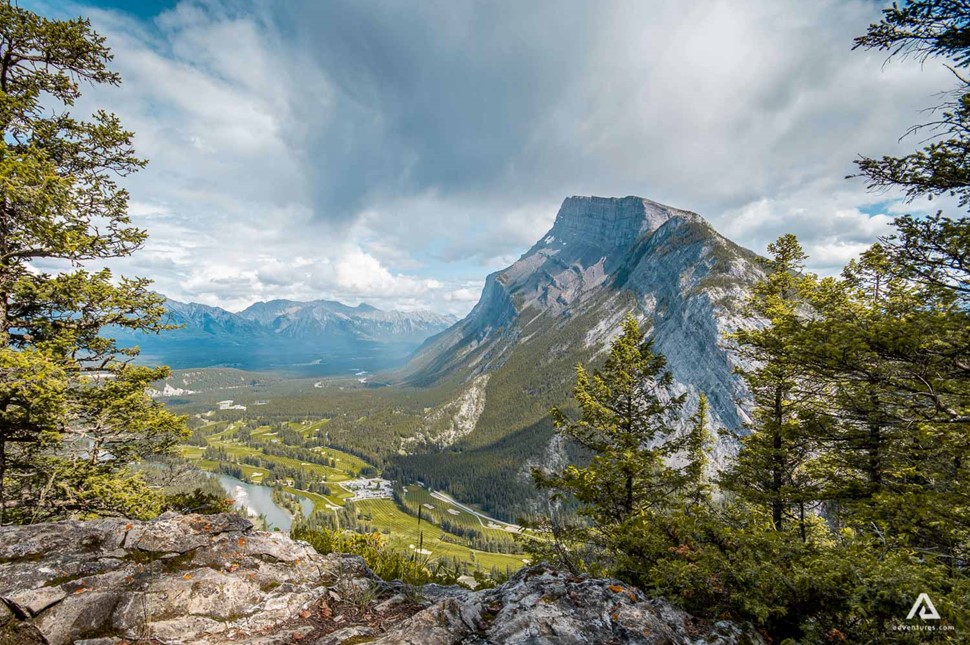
(319, 337)
(326, 319)
(562, 302)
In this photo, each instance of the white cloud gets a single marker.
(395, 154)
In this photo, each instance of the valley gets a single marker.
(287, 471)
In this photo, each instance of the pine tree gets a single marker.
(73, 410)
(851, 412)
(625, 415)
(927, 29)
(917, 331)
(697, 486)
(769, 470)
(890, 442)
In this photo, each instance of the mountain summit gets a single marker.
(609, 222)
(562, 303)
(591, 240)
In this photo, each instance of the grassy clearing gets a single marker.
(321, 503)
(404, 533)
(440, 510)
(191, 452)
(346, 467)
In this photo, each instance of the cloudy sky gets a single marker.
(397, 152)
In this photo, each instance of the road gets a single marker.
(444, 497)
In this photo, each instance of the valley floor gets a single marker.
(293, 458)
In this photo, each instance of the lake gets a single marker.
(258, 500)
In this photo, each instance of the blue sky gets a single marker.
(142, 9)
(395, 153)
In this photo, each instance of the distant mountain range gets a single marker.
(321, 337)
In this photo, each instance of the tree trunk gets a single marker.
(777, 466)
(801, 521)
(629, 495)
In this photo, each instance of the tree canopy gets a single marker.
(928, 29)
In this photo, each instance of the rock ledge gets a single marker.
(213, 579)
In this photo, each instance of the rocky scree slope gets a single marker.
(213, 579)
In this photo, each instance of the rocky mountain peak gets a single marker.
(594, 243)
(610, 222)
(563, 301)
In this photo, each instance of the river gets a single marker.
(258, 500)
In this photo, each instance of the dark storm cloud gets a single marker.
(436, 95)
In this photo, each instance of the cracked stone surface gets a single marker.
(180, 578)
(213, 579)
(543, 606)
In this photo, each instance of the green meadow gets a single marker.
(447, 530)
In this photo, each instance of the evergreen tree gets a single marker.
(890, 443)
(933, 252)
(769, 470)
(928, 29)
(697, 486)
(917, 329)
(625, 414)
(73, 410)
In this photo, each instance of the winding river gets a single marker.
(258, 500)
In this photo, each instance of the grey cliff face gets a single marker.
(212, 580)
(609, 223)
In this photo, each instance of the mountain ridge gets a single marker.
(284, 333)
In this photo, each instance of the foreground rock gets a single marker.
(541, 605)
(213, 579)
(191, 578)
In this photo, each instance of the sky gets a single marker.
(396, 153)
